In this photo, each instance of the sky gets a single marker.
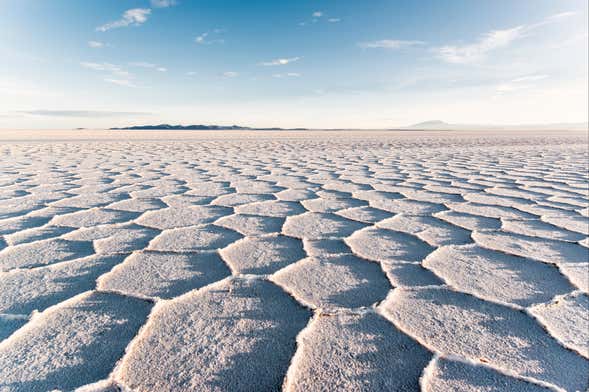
(292, 63)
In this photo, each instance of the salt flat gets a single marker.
(302, 261)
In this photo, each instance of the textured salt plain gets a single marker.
(356, 261)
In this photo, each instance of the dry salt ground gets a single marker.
(297, 261)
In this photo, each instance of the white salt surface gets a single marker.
(301, 261)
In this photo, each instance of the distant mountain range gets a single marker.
(433, 125)
(443, 126)
(202, 128)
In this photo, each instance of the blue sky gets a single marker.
(291, 63)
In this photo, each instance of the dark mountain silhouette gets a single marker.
(201, 127)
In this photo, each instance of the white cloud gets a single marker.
(495, 39)
(561, 15)
(190, 73)
(105, 67)
(202, 39)
(230, 74)
(100, 66)
(132, 17)
(144, 64)
(120, 82)
(95, 44)
(316, 17)
(389, 44)
(556, 18)
(521, 83)
(163, 3)
(282, 61)
(477, 51)
(529, 78)
(117, 76)
(287, 75)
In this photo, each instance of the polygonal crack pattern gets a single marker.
(380, 262)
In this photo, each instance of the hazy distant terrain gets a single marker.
(302, 261)
(441, 125)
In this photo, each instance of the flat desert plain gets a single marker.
(301, 261)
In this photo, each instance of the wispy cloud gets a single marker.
(106, 67)
(144, 64)
(121, 82)
(320, 15)
(205, 38)
(491, 41)
(389, 44)
(95, 44)
(287, 75)
(230, 74)
(83, 113)
(163, 3)
(132, 17)
(555, 18)
(463, 54)
(282, 61)
(561, 15)
(201, 38)
(529, 78)
(190, 73)
(117, 76)
(521, 83)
